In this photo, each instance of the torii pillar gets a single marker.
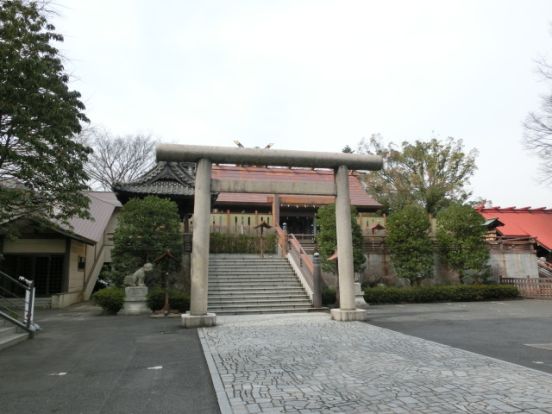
(204, 156)
(345, 268)
(198, 315)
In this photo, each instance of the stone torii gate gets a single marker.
(204, 156)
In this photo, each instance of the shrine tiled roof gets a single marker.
(166, 178)
(177, 179)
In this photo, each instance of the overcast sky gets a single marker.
(317, 75)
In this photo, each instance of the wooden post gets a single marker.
(276, 210)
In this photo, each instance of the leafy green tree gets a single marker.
(430, 173)
(409, 243)
(41, 165)
(147, 228)
(460, 235)
(327, 238)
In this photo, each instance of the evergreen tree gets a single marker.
(147, 228)
(460, 234)
(41, 165)
(430, 173)
(409, 243)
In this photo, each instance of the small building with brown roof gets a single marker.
(64, 262)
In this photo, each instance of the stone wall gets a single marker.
(509, 259)
(513, 261)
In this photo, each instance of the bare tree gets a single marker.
(538, 126)
(117, 158)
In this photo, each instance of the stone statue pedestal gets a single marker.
(135, 301)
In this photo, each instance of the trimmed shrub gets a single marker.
(177, 299)
(409, 243)
(241, 243)
(110, 299)
(449, 293)
(328, 296)
(460, 236)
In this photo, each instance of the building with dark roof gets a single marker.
(243, 211)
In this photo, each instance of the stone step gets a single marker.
(19, 303)
(10, 335)
(250, 279)
(7, 330)
(251, 260)
(260, 303)
(269, 305)
(256, 272)
(232, 290)
(246, 262)
(257, 296)
(241, 285)
(260, 295)
(225, 311)
(249, 271)
(250, 284)
(248, 267)
(275, 278)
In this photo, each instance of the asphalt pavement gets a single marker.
(518, 331)
(85, 363)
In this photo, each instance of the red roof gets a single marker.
(523, 222)
(359, 197)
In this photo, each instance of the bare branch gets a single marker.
(117, 158)
(538, 125)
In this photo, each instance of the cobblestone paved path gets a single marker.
(306, 363)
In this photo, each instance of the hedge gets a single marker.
(328, 296)
(110, 299)
(241, 243)
(177, 299)
(449, 293)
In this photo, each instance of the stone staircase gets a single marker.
(241, 284)
(10, 334)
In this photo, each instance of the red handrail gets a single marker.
(305, 258)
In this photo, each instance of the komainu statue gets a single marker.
(137, 278)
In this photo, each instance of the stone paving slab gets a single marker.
(307, 363)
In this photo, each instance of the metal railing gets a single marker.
(17, 297)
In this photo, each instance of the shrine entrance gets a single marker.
(339, 187)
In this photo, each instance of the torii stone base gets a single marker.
(348, 315)
(196, 321)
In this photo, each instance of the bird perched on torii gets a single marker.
(240, 145)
